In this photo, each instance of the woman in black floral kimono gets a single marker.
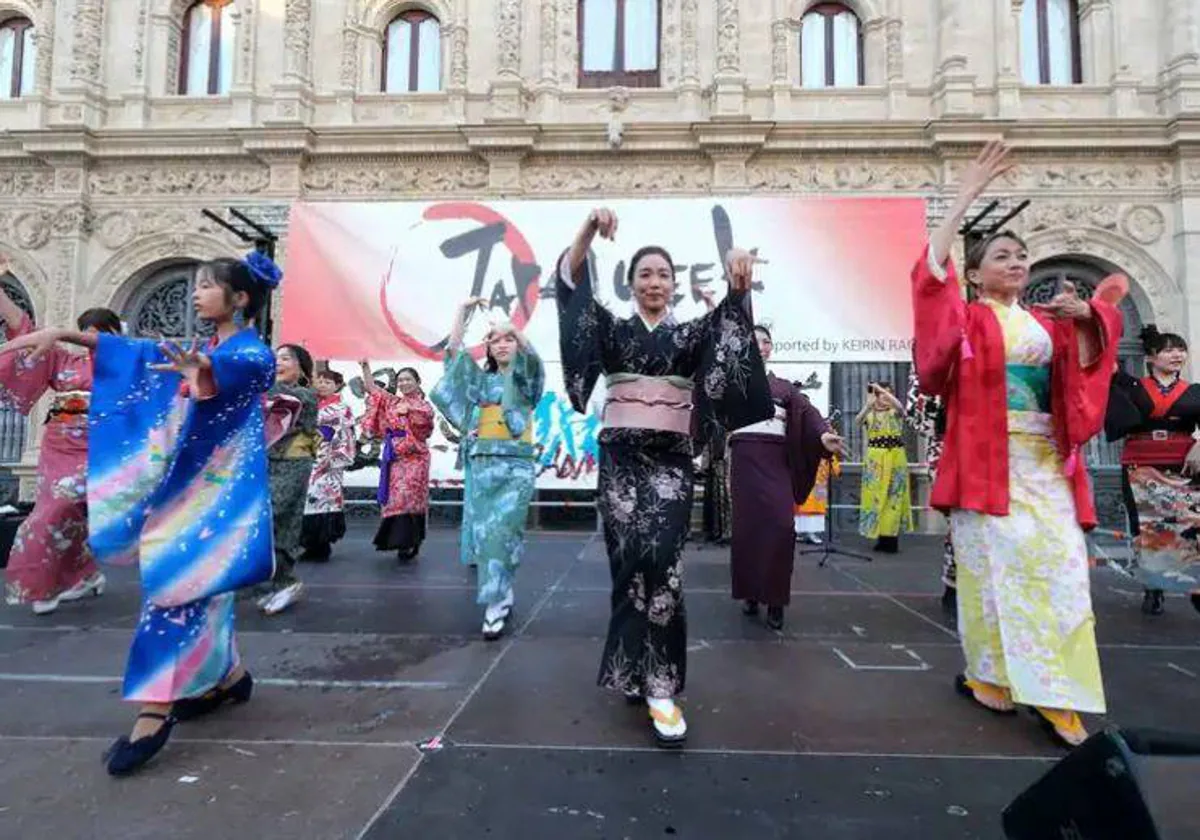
(655, 368)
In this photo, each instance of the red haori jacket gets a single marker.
(960, 356)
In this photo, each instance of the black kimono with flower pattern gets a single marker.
(645, 483)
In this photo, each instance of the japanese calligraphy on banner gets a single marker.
(382, 280)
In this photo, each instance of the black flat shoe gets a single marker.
(775, 618)
(950, 600)
(1153, 602)
(1196, 601)
(750, 609)
(125, 757)
(190, 708)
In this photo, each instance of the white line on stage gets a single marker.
(275, 682)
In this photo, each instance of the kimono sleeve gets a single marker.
(939, 325)
(805, 425)
(418, 424)
(731, 390)
(457, 393)
(523, 387)
(1128, 407)
(133, 422)
(22, 383)
(1087, 385)
(373, 422)
(585, 330)
(341, 447)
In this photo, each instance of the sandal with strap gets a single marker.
(125, 757)
(990, 697)
(670, 729)
(1064, 727)
(190, 708)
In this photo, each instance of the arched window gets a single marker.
(619, 43)
(1050, 43)
(831, 44)
(412, 53)
(206, 52)
(162, 304)
(18, 51)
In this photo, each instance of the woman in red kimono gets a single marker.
(404, 421)
(1160, 468)
(50, 560)
(1024, 392)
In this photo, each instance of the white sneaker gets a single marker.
(93, 585)
(284, 598)
(496, 616)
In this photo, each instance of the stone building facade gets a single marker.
(121, 119)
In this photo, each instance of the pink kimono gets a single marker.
(403, 493)
(50, 553)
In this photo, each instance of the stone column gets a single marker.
(729, 96)
(546, 90)
(506, 90)
(953, 83)
(1008, 57)
(293, 94)
(689, 59)
(135, 100)
(1181, 73)
(82, 101)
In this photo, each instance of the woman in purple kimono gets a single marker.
(774, 465)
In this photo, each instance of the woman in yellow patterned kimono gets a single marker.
(886, 506)
(1024, 393)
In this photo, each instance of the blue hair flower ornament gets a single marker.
(263, 268)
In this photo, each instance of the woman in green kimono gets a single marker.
(886, 507)
(492, 408)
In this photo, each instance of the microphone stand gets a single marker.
(829, 548)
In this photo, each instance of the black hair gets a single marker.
(1155, 342)
(101, 319)
(234, 276)
(760, 328)
(304, 359)
(411, 371)
(977, 252)
(333, 376)
(646, 251)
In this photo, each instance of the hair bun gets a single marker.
(1151, 339)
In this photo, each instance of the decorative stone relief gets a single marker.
(348, 74)
(548, 39)
(139, 41)
(780, 39)
(689, 42)
(1144, 224)
(244, 72)
(458, 56)
(568, 43)
(61, 261)
(88, 29)
(132, 260)
(1111, 175)
(297, 33)
(668, 51)
(178, 179)
(26, 181)
(43, 36)
(893, 37)
(390, 177)
(651, 177)
(508, 37)
(837, 177)
(117, 228)
(1038, 217)
(31, 228)
(728, 38)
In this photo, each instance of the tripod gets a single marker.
(829, 548)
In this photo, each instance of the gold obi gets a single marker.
(493, 427)
(302, 446)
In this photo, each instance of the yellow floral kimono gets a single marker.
(1024, 597)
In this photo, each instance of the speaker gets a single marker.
(1117, 785)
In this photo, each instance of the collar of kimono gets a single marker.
(668, 320)
(332, 399)
(1163, 400)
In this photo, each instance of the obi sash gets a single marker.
(1028, 388)
(70, 407)
(493, 427)
(1159, 448)
(775, 426)
(885, 441)
(661, 403)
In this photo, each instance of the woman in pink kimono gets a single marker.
(404, 422)
(50, 561)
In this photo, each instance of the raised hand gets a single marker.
(38, 343)
(188, 362)
(739, 268)
(1067, 305)
(604, 222)
(990, 164)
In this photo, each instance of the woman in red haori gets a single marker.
(1024, 392)
(50, 560)
(404, 421)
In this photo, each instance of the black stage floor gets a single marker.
(381, 713)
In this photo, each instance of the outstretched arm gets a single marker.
(41, 342)
(991, 163)
(461, 317)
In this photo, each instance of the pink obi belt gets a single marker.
(649, 402)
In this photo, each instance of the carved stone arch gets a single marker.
(1155, 293)
(363, 35)
(29, 274)
(868, 11)
(118, 280)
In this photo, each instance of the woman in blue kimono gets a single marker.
(492, 408)
(177, 482)
(667, 383)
